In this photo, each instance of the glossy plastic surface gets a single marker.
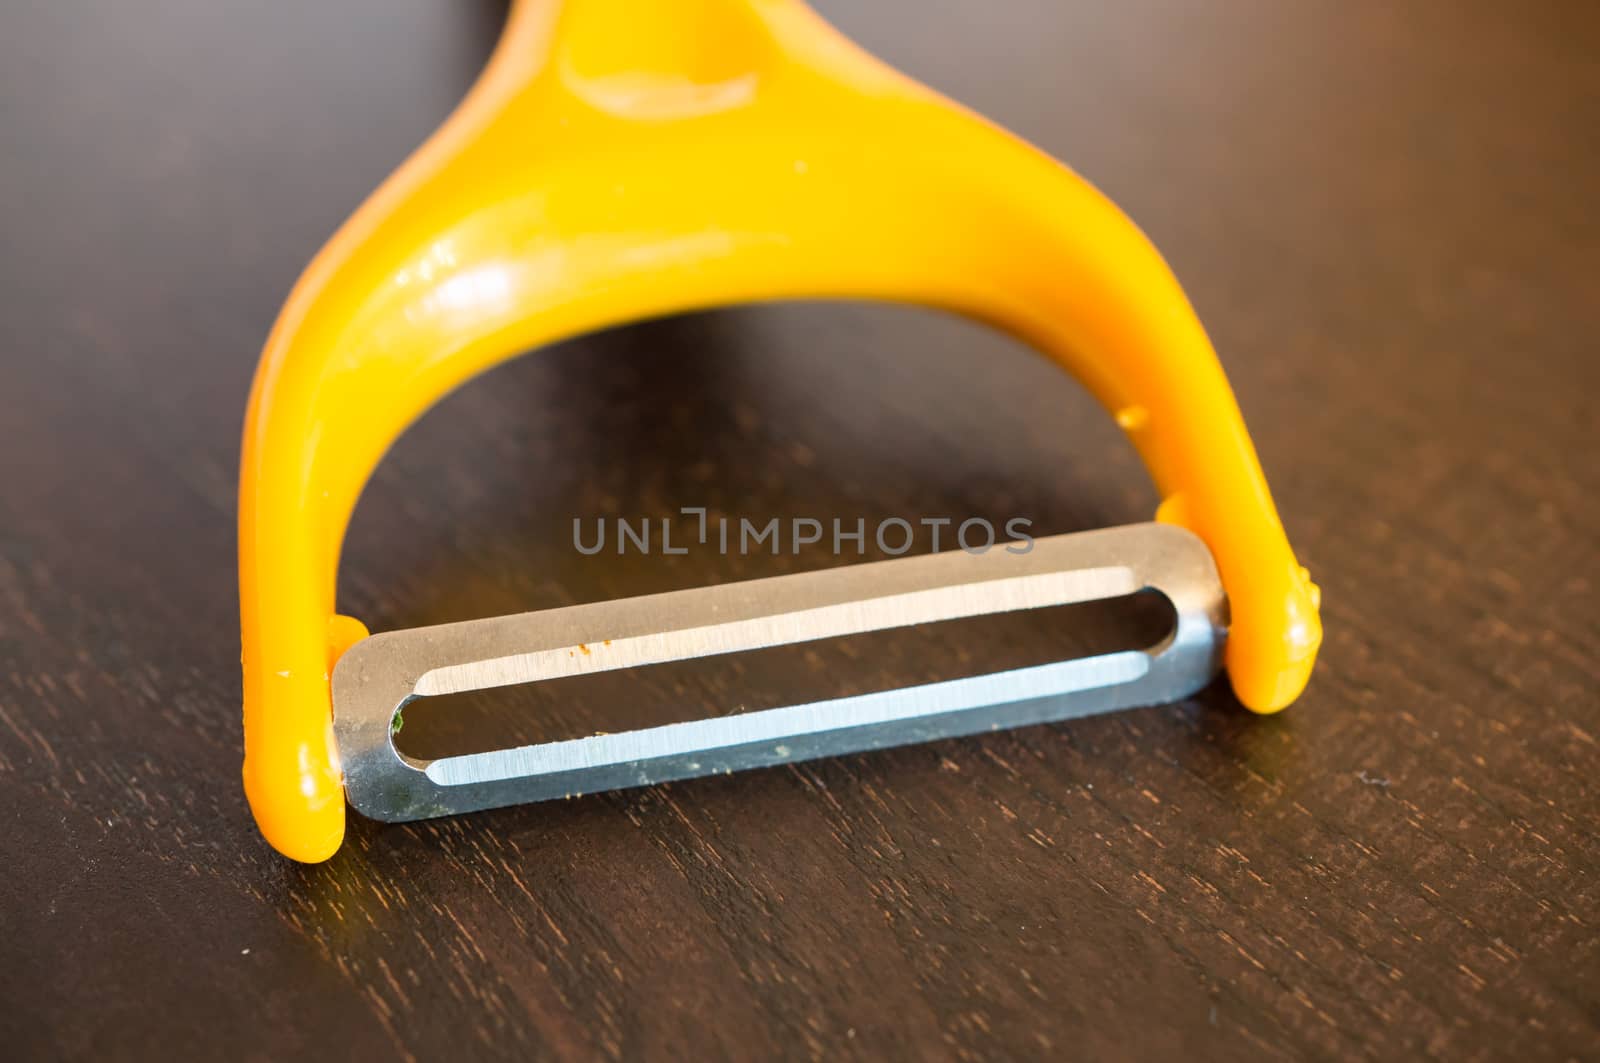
(620, 159)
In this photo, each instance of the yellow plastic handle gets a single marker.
(626, 158)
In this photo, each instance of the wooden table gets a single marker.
(1385, 213)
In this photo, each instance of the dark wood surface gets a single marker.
(1387, 215)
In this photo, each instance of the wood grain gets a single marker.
(1384, 213)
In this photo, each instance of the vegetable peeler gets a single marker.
(622, 159)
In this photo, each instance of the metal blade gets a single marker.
(379, 675)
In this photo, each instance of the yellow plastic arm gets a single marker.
(620, 159)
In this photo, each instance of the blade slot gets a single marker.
(617, 701)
